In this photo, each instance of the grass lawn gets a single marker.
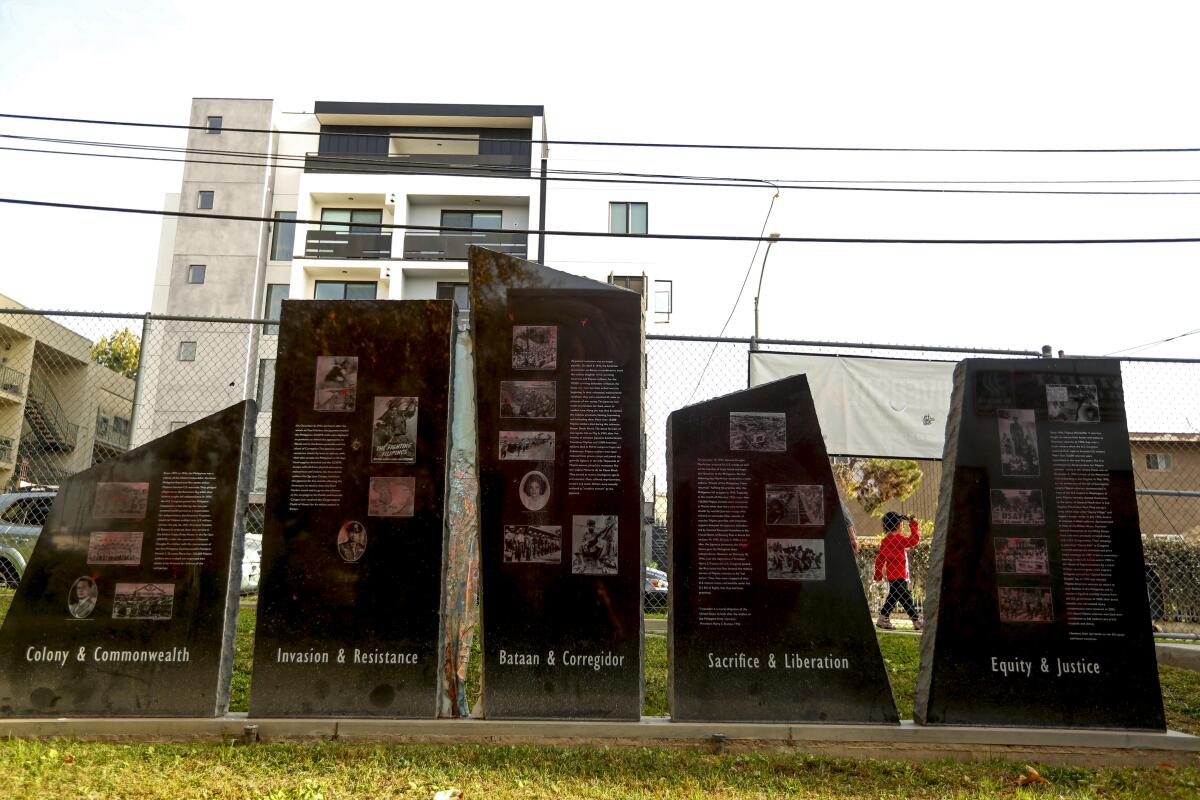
(336, 770)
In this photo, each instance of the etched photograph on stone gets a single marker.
(394, 434)
(1072, 403)
(1021, 556)
(528, 400)
(796, 559)
(534, 490)
(758, 431)
(535, 347)
(594, 545)
(1018, 442)
(121, 500)
(352, 541)
(1026, 604)
(532, 544)
(81, 600)
(526, 445)
(795, 504)
(391, 497)
(336, 383)
(1017, 507)
(115, 547)
(144, 601)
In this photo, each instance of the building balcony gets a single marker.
(12, 383)
(485, 166)
(347, 244)
(453, 246)
(108, 434)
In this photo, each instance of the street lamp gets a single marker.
(772, 238)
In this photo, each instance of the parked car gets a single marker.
(655, 590)
(22, 514)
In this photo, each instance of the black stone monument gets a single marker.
(129, 602)
(1036, 607)
(348, 610)
(768, 622)
(558, 368)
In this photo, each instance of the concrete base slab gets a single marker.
(1093, 748)
(1186, 656)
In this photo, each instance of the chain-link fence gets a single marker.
(61, 412)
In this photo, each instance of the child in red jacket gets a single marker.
(893, 555)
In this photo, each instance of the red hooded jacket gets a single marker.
(892, 552)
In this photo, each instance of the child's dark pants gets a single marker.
(898, 593)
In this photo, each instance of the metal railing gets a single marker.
(106, 432)
(453, 246)
(11, 381)
(347, 244)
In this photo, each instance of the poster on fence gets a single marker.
(885, 407)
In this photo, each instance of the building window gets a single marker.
(195, 273)
(345, 290)
(266, 384)
(283, 238)
(352, 220)
(475, 220)
(101, 425)
(177, 424)
(664, 300)
(1158, 462)
(214, 125)
(204, 199)
(187, 351)
(120, 426)
(456, 292)
(628, 217)
(276, 294)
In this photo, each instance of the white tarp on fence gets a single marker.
(890, 408)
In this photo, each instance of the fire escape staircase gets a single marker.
(47, 419)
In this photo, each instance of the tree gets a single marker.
(875, 482)
(119, 352)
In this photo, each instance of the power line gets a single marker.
(736, 300)
(1156, 342)
(597, 143)
(698, 237)
(363, 160)
(342, 165)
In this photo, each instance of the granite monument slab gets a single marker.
(353, 544)
(1036, 609)
(129, 602)
(768, 620)
(558, 376)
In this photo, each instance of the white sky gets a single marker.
(842, 74)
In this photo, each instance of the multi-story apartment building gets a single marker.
(59, 411)
(331, 182)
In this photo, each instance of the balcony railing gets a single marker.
(347, 244)
(453, 246)
(107, 433)
(11, 381)
(499, 165)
